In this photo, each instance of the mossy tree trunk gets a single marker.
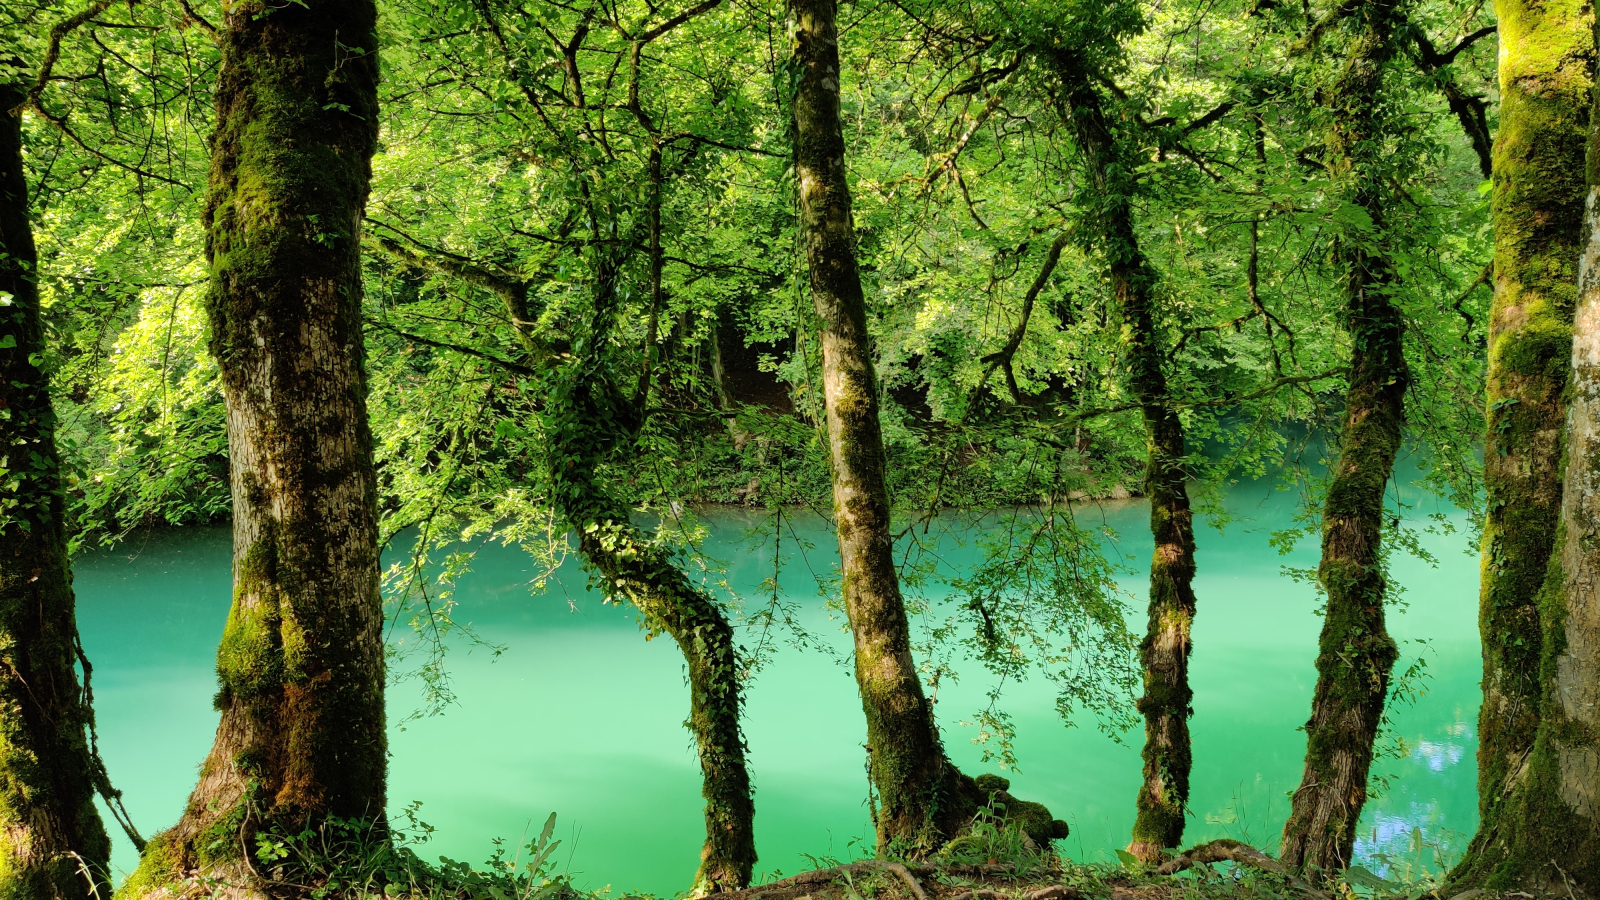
(587, 420)
(1164, 793)
(300, 666)
(921, 801)
(52, 844)
(1546, 75)
(1355, 653)
(1546, 835)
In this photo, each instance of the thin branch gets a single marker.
(1002, 357)
(53, 52)
(196, 18)
(506, 364)
(677, 20)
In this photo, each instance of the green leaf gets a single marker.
(1361, 877)
(7, 342)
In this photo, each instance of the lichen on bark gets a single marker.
(300, 667)
(1546, 835)
(921, 799)
(52, 843)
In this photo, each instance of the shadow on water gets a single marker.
(582, 716)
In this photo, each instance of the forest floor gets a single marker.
(875, 880)
(1243, 875)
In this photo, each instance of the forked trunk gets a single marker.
(301, 665)
(1355, 653)
(1164, 793)
(54, 845)
(921, 802)
(1546, 75)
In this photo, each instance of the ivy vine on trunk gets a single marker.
(1355, 654)
(54, 845)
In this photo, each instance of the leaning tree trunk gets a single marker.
(1546, 75)
(580, 415)
(1355, 653)
(921, 797)
(1164, 794)
(54, 845)
(300, 666)
(586, 419)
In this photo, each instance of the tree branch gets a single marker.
(677, 20)
(506, 364)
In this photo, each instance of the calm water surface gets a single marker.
(583, 717)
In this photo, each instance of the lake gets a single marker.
(581, 716)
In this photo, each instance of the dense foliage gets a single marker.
(1108, 248)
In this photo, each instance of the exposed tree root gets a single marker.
(826, 876)
(801, 884)
(1227, 850)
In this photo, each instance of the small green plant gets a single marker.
(992, 840)
(361, 858)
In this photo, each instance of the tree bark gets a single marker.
(300, 666)
(920, 798)
(1546, 75)
(1547, 824)
(1164, 793)
(54, 845)
(586, 420)
(1355, 653)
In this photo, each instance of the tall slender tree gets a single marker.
(1164, 794)
(55, 845)
(1546, 75)
(1355, 654)
(300, 665)
(922, 800)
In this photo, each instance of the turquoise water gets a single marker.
(581, 716)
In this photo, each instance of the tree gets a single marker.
(55, 845)
(1546, 76)
(1355, 652)
(1164, 795)
(1542, 827)
(922, 799)
(300, 666)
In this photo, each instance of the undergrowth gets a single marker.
(355, 859)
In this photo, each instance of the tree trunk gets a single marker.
(300, 666)
(920, 795)
(586, 420)
(1546, 74)
(1547, 825)
(635, 569)
(54, 845)
(1355, 653)
(1164, 653)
